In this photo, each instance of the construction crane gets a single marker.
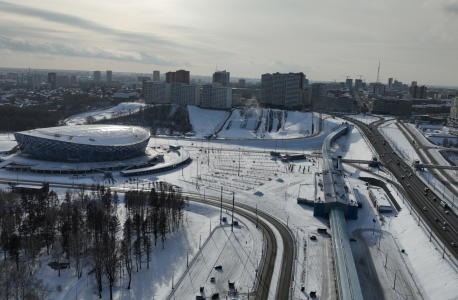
(345, 76)
(378, 72)
(360, 76)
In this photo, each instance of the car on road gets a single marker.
(215, 296)
(424, 208)
(436, 219)
(453, 244)
(218, 267)
(212, 279)
(444, 228)
(199, 297)
(352, 240)
(312, 237)
(445, 224)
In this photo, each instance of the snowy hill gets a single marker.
(253, 123)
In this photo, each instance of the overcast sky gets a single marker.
(325, 39)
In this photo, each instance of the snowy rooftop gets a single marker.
(99, 135)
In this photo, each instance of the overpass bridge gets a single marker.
(428, 166)
(338, 207)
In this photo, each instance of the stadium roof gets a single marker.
(97, 135)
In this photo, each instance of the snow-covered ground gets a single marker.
(121, 109)
(367, 119)
(397, 139)
(257, 123)
(206, 121)
(246, 168)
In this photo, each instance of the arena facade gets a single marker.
(84, 143)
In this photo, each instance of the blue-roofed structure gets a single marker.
(334, 186)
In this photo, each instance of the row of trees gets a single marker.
(83, 230)
(172, 117)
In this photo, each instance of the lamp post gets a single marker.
(373, 229)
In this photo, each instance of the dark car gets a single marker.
(199, 297)
(312, 237)
(218, 267)
(215, 296)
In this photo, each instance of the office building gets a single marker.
(62, 81)
(51, 80)
(109, 76)
(222, 77)
(241, 83)
(343, 103)
(180, 76)
(390, 84)
(318, 89)
(390, 106)
(281, 89)
(418, 92)
(216, 96)
(156, 76)
(157, 92)
(97, 77)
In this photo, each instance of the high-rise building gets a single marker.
(358, 84)
(390, 84)
(52, 80)
(185, 94)
(222, 77)
(318, 89)
(62, 81)
(418, 92)
(241, 83)
(36, 82)
(349, 84)
(97, 77)
(216, 96)
(157, 92)
(180, 76)
(109, 76)
(156, 76)
(72, 80)
(414, 83)
(281, 89)
(379, 89)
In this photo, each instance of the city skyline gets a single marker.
(326, 41)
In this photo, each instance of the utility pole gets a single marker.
(233, 201)
(221, 211)
(238, 173)
(200, 239)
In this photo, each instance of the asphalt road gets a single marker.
(430, 211)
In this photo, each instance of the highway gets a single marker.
(432, 213)
(287, 261)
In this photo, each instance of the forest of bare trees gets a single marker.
(82, 231)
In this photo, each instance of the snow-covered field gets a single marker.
(246, 168)
(206, 121)
(398, 140)
(121, 109)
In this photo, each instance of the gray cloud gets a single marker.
(79, 22)
(451, 7)
(46, 48)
